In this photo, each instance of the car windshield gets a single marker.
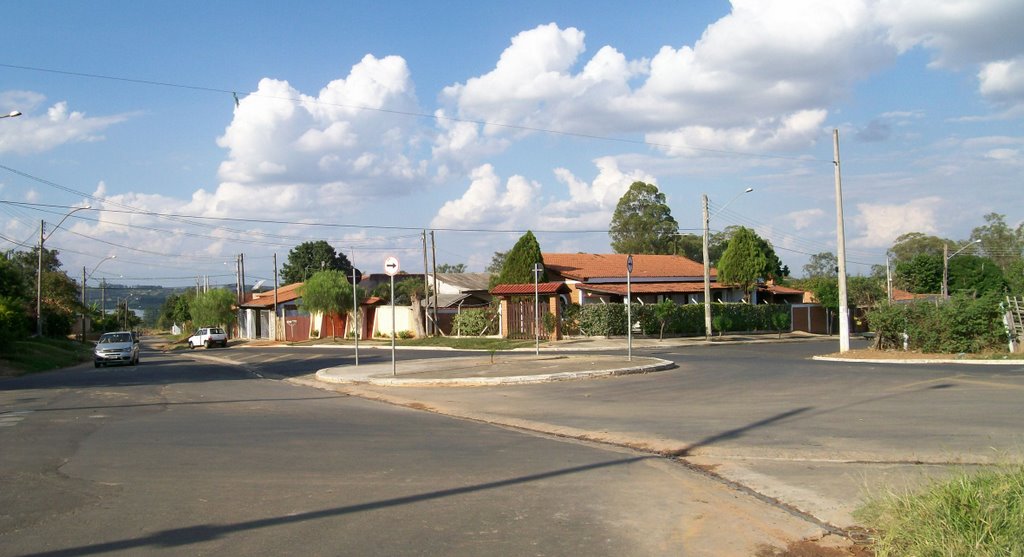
(119, 337)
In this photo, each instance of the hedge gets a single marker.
(688, 319)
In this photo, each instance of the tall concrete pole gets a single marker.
(707, 268)
(844, 308)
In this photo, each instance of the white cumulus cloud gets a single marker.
(31, 133)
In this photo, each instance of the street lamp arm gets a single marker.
(11, 114)
(722, 208)
(73, 211)
(955, 253)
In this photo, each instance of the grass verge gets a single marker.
(458, 343)
(43, 354)
(977, 514)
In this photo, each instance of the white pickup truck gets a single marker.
(208, 337)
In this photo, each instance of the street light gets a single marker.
(11, 114)
(39, 270)
(945, 265)
(85, 279)
(707, 262)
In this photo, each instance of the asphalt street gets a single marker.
(182, 455)
(819, 436)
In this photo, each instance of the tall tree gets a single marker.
(822, 264)
(999, 242)
(328, 292)
(642, 222)
(451, 268)
(213, 308)
(975, 276)
(921, 274)
(744, 261)
(519, 262)
(690, 246)
(912, 244)
(497, 262)
(310, 257)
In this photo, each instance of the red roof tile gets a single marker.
(524, 289)
(619, 289)
(587, 266)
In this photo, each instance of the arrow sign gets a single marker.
(629, 264)
(391, 266)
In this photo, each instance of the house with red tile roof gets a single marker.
(256, 316)
(601, 278)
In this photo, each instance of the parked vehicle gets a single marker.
(208, 337)
(120, 347)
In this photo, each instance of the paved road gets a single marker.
(816, 435)
(184, 456)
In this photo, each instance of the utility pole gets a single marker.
(83, 304)
(426, 286)
(945, 271)
(275, 296)
(103, 299)
(844, 308)
(39, 283)
(707, 268)
(433, 250)
(888, 279)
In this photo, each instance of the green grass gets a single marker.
(43, 354)
(974, 514)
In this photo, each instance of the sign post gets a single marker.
(629, 309)
(391, 268)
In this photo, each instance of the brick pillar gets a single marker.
(555, 308)
(504, 317)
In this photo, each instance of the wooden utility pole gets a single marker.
(275, 296)
(426, 287)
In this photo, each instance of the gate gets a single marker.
(522, 319)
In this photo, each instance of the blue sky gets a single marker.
(362, 124)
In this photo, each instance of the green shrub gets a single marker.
(474, 322)
(669, 318)
(14, 324)
(961, 324)
(406, 334)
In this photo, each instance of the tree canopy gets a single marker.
(824, 264)
(213, 308)
(328, 292)
(998, 241)
(310, 257)
(451, 268)
(642, 222)
(519, 262)
(744, 261)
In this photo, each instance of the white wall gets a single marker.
(404, 320)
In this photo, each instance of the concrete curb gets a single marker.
(918, 361)
(657, 364)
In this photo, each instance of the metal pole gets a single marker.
(433, 263)
(394, 368)
(355, 309)
(83, 304)
(707, 268)
(844, 308)
(275, 297)
(629, 312)
(536, 306)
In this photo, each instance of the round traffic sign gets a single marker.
(629, 264)
(391, 266)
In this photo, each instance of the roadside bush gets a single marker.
(14, 324)
(961, 324)
(667, 318)
(474, 322)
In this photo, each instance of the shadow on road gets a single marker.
(205, 532)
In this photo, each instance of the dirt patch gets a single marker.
(808, 548)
